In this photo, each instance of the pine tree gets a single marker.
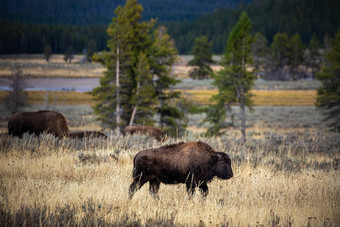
(328, 96)
(295, 54)
(69, 55)
(234, 81)
(91, 49)
(172, 107)
(313, 56)
(136, 81)
(128, 38)
(279, 50)
(144, 97)
(260, 52)
(202, 59)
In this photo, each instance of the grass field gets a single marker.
(262, 98)
(202, 97)
(36, 66)
(286, 174)
(264, 121)
(57, 97)
(291, 181)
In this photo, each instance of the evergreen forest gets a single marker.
(28, 26)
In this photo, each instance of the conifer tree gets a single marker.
(313, 56)
(279, 50)
(172, 108)
(136, 83)
(234, 81)
(328, 96)
(128, 38)
(91, 49)
(295, 54)
(69, 55)
(144, 97)
(260, 52)
(202, 59)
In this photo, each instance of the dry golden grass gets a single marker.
(95, 191)
(182, 71)
(262, 98)
(36, 66)
(57, 97)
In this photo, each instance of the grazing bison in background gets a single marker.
(192, 163)
(38, 122)
(154, 132)
(87, 134)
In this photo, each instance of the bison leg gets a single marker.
(154, 188)
(204, 189)
(137, 183)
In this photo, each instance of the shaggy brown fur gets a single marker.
(38, 122)
(154, 132)
(87, 134)
(192, 163)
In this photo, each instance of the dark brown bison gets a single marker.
(154, 132)
(192, 163)
(87, 134)
(38, 122)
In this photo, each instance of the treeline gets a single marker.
(268, 16)
(87, 12)
(18, 38)
(287, 57)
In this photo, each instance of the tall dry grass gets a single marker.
(278, 181)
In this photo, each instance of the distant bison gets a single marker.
(87, 134)
(192, 163)
(154, 132)
(38, 122)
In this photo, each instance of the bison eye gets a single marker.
(214, 158)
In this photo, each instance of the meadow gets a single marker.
(36, 66)
(287, 173)
(278, 181)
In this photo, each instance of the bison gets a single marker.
(192, 163)
(154, 132)
(38, 122)
(87, 134)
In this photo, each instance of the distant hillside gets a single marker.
(88, 12)
(65, 23)
(268, 16)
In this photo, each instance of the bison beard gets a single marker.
(192, 163)
(38, 122)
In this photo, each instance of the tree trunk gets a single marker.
(117, 95)
(161, 116)
(243, 120)
(136, 106)
(133, 114)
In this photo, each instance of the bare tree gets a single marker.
(16, 99)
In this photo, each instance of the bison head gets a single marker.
(223, 166)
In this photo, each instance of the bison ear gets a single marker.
(214, 158)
